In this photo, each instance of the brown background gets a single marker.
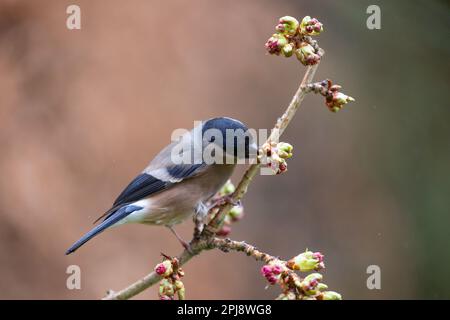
(82, 112)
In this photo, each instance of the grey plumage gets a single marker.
(167, 192)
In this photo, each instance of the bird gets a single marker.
(181, 178)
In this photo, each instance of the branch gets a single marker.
(205, 240)
(291, 37)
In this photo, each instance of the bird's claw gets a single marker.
(187, 247)
(228, 199)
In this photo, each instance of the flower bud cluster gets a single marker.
(294, 287)
(273, 155)
(292, 37)
(334, 98)
(171, 283)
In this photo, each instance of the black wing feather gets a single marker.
(183, 171)
(143, 185)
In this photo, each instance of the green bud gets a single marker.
(335, 109)
(341, 98)
(310, 283)
(307, 55)
(305, 262)
(337, 100)
(313, 277)
(181, 291)
(166, 288)
(236, 213)
(311, 26)
(276, 43)
(287, 25)
(322, 287)
(227, 189)
(331, 295)
(181, 294)
(284, 150)
(287, 50)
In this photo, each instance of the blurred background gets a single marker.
(83, 111)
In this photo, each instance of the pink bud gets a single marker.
(160, 269)
(276, 269)
(266, 270)
(314, 21)
(313, 283)
(309, 29)
(225, 231)
(317, 27)
(319, 256)
(271, 278)
(280, 27)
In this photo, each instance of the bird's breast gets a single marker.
(178, 202)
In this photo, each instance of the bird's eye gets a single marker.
(212, 139)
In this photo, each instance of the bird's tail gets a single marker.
(108, 222)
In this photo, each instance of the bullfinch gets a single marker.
(181, 179)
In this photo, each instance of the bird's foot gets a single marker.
(228, 199)
(186, 245)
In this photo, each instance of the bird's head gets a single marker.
(230, 136)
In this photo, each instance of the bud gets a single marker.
(276, 43)
(310, 26)
(284, 150)
(272, 271)
(313, 279)
(236, 213)
(282, 167)
(181, 291)
(227, 189)
(164, 268)
(307, 55)
(287, 25)
(321, 287)
(166, 289)
(337, 100)
(272, 278)
(306, 261)
(330, 295)
(319, 256)
(277, 269)
(287, 50)
(224, 231)
(265, 270)
(310, 283)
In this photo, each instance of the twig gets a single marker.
(225, 245)
(206, 240)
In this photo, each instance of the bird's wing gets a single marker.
(150, 182)
(161, 174)
(147, 184)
